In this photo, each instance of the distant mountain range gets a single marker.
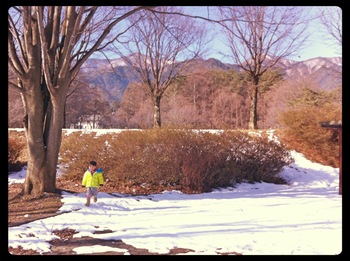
(113, 77)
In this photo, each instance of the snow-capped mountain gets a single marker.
(114, 75)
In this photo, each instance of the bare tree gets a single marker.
(46, 48)
(260, 36)
(86, 104)
(331, 19)
(159, 47)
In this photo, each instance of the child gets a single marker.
(92, 180)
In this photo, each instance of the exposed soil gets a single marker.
(23, 210)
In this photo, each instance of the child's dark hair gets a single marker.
(93, 163)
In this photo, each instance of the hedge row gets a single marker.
(192, 161)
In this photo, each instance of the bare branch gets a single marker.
(331, 19)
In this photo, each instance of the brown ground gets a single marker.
(27, 209)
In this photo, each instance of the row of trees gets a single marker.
(48, 45)
(258, 37)
(203, 99)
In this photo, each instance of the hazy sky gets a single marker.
(318, 46)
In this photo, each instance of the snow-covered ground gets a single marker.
(302, 218)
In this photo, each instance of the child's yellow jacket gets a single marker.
(92, 180)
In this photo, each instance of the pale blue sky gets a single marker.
(319, 45)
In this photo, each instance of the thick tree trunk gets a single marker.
(42, 160)
(54, 135)
(43, 155)
(34, 182)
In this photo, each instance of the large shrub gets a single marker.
(192, 161)
(303, 132)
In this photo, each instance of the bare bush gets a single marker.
(193, 162)
(16, 152)
(302, 131)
